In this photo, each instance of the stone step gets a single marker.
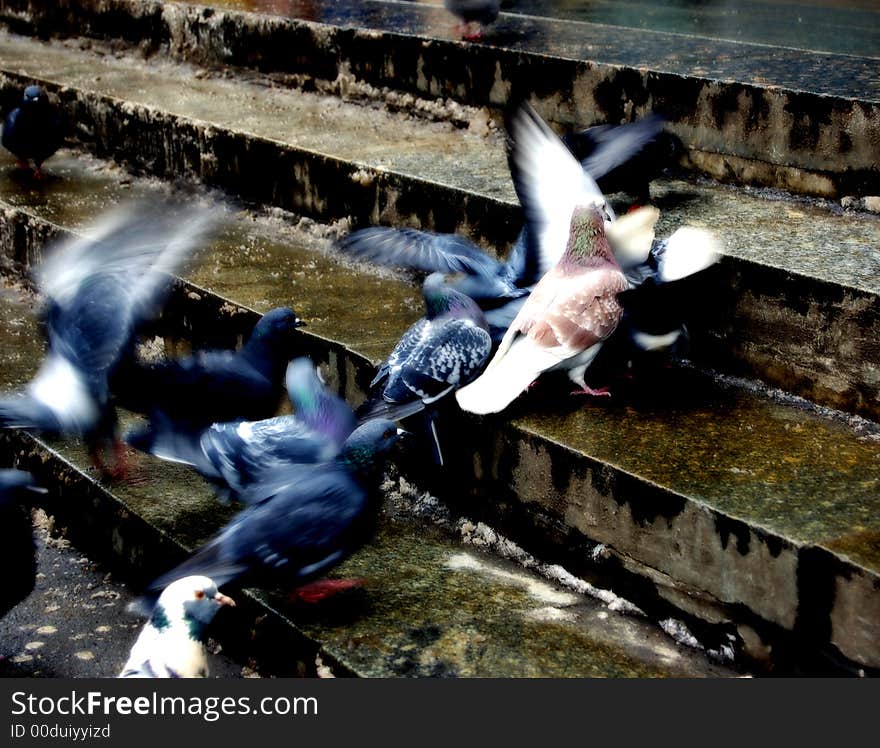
(752, 517)
(795, 302)
(435, 600)
(749, 112)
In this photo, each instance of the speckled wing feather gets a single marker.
(450, 357)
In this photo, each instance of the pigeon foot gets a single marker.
(315, 592)
(590, 392)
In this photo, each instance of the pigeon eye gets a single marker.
(200, 594)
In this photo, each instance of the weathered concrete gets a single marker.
(728, 508)
(804, 121)
(431, 605)
(795, 302)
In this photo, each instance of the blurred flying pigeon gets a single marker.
(98, 290)
(625, 158)
(18, 553)
(441, 352)
(171, 644)
(191, 393)
(236, 454)
(474, 15)
(562, 324)
(34, 130)
(304, 521)
(663, 289)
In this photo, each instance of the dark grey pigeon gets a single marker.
(625, 158)
(236, 454)
(306, 525)
(34, 130)
(441, 352)
(98, 291)
(18, 553)
(191, 393)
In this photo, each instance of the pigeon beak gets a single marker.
(402, 432)
(224, 600)
(297, 322)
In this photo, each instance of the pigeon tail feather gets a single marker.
(506, 378)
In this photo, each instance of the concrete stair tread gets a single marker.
(431, 605)
(612, 37)
(768, 229)
(777, 465)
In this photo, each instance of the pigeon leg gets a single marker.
(119, 469)
(314, 592)
(472, 32)
(589, 391)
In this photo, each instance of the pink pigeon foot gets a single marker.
(589, 391)
(314, 592)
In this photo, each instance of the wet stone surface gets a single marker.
(430, 606)
(806, 121)
(74, 623)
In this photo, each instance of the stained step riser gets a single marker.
(729, 129)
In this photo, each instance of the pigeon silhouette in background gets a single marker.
(562, 324)
(34, 130)
(303, 521)
(189, 394)
(18, 552)
(171, 644)
(98, 290)
(236, 454)
(441, 352)
(474, 16)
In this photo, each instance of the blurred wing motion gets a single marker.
(309, 519)
(98, 290)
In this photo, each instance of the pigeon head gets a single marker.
(272, 336)
(276, 324)
(441, 298)
(369, 443)
(314, 404)
(191, 601)
(34, 95)
(587, 242)
(303, 381)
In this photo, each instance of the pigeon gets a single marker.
(498, 287)
(474, 15)
(171, 644)
(34, 130)
(235, 454)
(562, 324)
(663, 289)
(18, 553)
(303, 521)
(441, 352)
(98, 290)
(191, 393)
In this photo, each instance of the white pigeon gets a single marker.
(563, 323)
(171, 644)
